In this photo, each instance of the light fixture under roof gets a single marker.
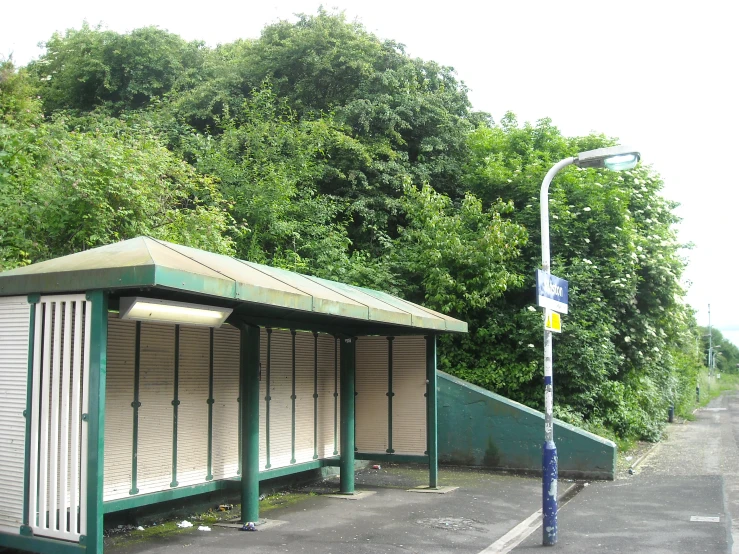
(167, 311)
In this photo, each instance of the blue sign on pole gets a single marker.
(551, 292)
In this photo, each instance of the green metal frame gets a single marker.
(293, 397)
(147, 263)
(33, 300)
(42, 545)
(234, 484)
(297, 468)
(170, 494)
(210, 401)
(336, 395)
(96, 420)
(432, 438)
(267, 396)
(390, 395)
(348, 354)
(175, 403)
(136, 404)
(249, 385)
(392, 458)
(315, 395)
(239, 441)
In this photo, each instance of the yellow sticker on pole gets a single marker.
(552, 321)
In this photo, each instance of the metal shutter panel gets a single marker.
(14, 329)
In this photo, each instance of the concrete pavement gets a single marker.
(391, 520)
(693, 474)
(682, 499)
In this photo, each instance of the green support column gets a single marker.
(249, 393)
(336, 395)
(293, 397)
(175, 404)
(346, 465)
(136, 404)
(390, 395)
(33, 300)
(432, 442)
(315, 395)
(210, 401)
(96, 419)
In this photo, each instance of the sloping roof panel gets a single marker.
(144, 262)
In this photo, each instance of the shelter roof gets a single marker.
(258, 294)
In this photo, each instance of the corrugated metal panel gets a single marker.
(226, 406)
(304, 417)
(409, 403)
(250, 280)
(118, 412)
(377, 309)
(325, 300)
(192, 427)
(14, 322)
(263, 343)
(371, 408)
(156, 392)
(327, 364)
(281, 405)
(57, 483)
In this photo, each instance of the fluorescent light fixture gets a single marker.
(615, 158)
(166, 311)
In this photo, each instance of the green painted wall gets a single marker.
(480, 428)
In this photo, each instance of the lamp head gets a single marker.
(615, 158)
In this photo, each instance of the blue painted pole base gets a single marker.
(549, 494)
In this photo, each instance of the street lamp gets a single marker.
(616, 158)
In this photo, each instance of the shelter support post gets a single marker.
(432, 443)
(96, 420)
(249, 393)
(347, 361)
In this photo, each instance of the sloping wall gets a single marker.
(480, 428)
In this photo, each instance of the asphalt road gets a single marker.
(693, 473)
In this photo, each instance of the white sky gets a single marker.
(660, 76)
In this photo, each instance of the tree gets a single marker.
(268, 163)
(456, 259)
(65, 190)
(725, 351)
(322, 149)
(21, 129)
(403, 118)
(613, 239)
(89, 68)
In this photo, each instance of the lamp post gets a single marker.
(710, 343)
(616, 158)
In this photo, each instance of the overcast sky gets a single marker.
(660, 76)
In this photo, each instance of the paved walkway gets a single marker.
(391, 520)
(680, 501)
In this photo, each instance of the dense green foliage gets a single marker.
(321, 149)
(725, 352)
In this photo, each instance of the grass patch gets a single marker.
(713, 386)
(283, 500)
(148, 534)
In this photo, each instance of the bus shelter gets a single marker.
(145, 371)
